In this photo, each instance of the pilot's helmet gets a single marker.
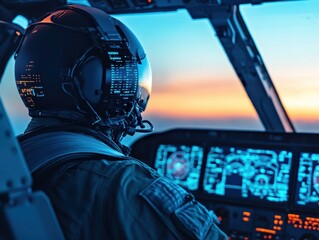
(79, 63)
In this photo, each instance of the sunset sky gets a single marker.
(195, 85)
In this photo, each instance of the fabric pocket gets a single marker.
(195, 219)
(178, 209)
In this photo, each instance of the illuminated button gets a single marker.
(264, 230)
(276, 221)
(246, 214)
(281, 222)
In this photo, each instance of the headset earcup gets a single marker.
(90, 75)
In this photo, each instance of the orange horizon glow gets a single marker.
(165, 106)
(211, 98)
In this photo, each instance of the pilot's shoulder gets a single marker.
(112, 168)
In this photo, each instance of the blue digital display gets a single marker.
(181, 164)
(248, 173)
(307, 193)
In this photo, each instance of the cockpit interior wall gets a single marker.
(260, 185)
(10, 36)
(23, 214)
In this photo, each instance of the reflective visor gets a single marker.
(145, 83)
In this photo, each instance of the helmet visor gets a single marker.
(145, 83)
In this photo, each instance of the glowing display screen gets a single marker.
(248, 173)
(122, 84)
(181, 164)
(307, 193)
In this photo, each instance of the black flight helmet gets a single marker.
(79, 63)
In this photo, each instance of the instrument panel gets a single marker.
(181, 164)
(307, 193)
(260, 185)
(248, 173)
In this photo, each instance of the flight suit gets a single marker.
(123, 199)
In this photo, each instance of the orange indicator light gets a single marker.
(247, 214)
(264, 230)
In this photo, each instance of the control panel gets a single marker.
(248, 173)
(307, 193)
(260, 185)
(181, 164)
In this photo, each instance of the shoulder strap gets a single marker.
(53, 148)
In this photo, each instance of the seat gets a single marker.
(23, 214)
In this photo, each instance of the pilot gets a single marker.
(85, 80)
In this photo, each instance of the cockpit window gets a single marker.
(194, 85)
(287, 36)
